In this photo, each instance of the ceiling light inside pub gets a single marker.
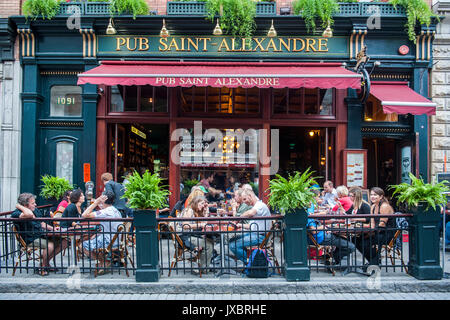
(110, 29)
(164, 33)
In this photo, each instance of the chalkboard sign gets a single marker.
(443, 176)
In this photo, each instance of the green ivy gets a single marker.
(135, 7)
(144, 192)
(238, 18)
(416, 10)
(292, 193)
(313, 10)
(54, 187)
(46, 9)
(419, 191)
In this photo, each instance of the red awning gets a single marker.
(397, 97)
(222, 74)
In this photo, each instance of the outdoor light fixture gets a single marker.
(272, 32)
(285, 11)
(327, 33)
(375, 64)
(110, 29)
(217, 30)
(164, 33)
(311, 133)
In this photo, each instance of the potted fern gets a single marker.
(314, 10)
(421, 197)
(292, 194)
(425, 201)
(416, 11)
(53, 188)
(45, 9)
(145, 194)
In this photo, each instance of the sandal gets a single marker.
(42, 271)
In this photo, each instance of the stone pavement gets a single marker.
(320, 284)
(240, 297)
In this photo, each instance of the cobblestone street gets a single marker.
(215, 297)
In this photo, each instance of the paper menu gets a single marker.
(355, 169)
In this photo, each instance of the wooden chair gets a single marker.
(182, 252)
(268, 245)
(28, 250)
(327, 251)
(56, 215)
(391, 251)
(121, 251)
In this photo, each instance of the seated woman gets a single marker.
(343, 201)
(191, 233)
(73, 210)
(360, 206)
(383, 227)
(65, 201)
(108, 228)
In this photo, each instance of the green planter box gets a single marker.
(384, 9)
(65, 8)
(147, 253)
(295, 246)
(199, 8)
(97, 8)
(424, 255)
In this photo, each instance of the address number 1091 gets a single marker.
(64, 100)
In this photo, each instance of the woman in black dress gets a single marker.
(73, 209)
(381, 229)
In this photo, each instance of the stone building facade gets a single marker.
(440, 88)
(10, 108)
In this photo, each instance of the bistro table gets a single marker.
(213, 228)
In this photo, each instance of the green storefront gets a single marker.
(81, 131)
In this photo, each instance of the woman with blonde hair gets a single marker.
(360, 206)
(195, 192)
(192, 231)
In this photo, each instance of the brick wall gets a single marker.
(9, 8)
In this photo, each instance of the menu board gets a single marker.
(355, 168)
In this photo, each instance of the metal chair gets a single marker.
(27, 250)
(182, 252)
(121, 251)
(327, 251)
(391, 250)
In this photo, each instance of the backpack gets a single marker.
(258, 264)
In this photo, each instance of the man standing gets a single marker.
(206, 183)
(118, 190)
(35, 233)
(257, 228)
(330, 195)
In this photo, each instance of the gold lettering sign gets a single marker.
(222, 44)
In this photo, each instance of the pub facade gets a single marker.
(353, 107)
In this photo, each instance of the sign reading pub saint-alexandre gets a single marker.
(142, 45)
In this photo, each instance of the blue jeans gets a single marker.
(248, 239)
(447, 234)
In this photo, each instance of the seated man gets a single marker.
(327, 238)
(37, 234)
(329, 195)
(109, 228)
(238, 205)
(257, 228)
